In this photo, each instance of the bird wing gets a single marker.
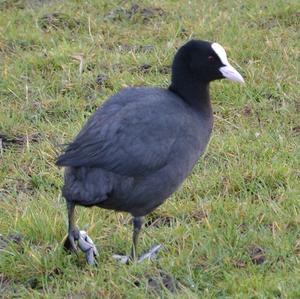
(134, 140)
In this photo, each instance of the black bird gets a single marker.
(142, 143)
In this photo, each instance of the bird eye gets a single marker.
(211, 59)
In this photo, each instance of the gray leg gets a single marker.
(73, 235)
(137, 225)
(84, 241)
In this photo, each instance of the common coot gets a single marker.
(142, 143)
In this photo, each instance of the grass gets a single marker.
(232, 230)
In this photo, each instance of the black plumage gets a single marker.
(141, 144)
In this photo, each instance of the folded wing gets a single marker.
(129, 140)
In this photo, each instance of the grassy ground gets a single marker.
(232, 230)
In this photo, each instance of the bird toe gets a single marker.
(86, 244)
(150, 255)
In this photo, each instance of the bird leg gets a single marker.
(85, 243)
(137, 225)
(73, 232)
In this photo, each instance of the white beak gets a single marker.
(227, 70)
(231, 73)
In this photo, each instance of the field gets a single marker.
(232, 230)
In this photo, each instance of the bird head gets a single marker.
(204, 61)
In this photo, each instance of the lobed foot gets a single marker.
(151, 254)
(85, 244)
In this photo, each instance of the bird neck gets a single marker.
(194, 93)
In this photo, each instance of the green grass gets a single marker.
(234, 225)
